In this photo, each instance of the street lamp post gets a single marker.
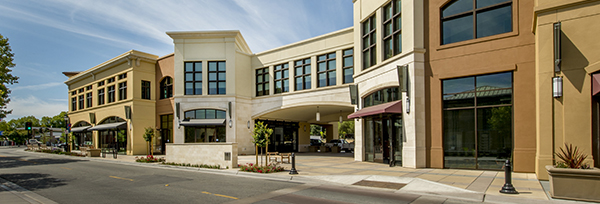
(67, 133)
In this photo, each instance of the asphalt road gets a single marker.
(65, 179)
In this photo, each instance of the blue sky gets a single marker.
(53, 36)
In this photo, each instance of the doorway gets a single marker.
(383, 140)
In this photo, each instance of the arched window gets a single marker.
(469, 19)
(382, 96)
(166, 88)
(205, 114)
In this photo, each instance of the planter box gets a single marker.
(575, 184)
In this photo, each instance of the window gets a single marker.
(111, 94)
(469, 19)
(205, 114)
(302, 74)
(122, 76)
(282, 80)
(262, 81)
(110, 80)
(326, 70)
(477, 118)
(80, 90)
(369, 42)
(101, 83)
(392, 29)
(122, 91)
(382, 96)
(87, 88)
(348, 65)
(100, 96)
(73, 93)
(88, 100)
(81, 105)
(216, 78)
(166, 88)
(74, 104)
(193, 78)
(145, 90)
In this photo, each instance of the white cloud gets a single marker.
(32, 105)
(37, 87)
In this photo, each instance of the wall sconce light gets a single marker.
(341, 117)
(318, 114)
(557, 87)
(304, 128)
(248, 124)
(230, 122)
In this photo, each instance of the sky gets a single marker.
(53, 36)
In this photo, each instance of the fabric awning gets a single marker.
(390, 107)
(80, 129)
(201, 122)
(117, 125)
(595, 84)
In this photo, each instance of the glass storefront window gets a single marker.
(477, 122)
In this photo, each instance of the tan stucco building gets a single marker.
(573, 116)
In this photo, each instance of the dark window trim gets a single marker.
(166, 88)
(74, 103)
(472, 12)
(345, 67)
(391, 36)
(264, 74)
(327, 70)
(88, 99)
(81, 101)
(218, 80)
(193, 80)
(146, 93)
(303, 64)
(101, 96)
(371, 49)
(280, 69)
(122, 91)
(111, 94)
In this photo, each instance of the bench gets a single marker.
(272, 156)
(285, 156)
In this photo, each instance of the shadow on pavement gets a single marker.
(33, 181)
(16, 161)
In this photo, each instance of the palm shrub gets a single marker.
(571, 158)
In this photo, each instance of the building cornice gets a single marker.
(338, 32)
(239, 39)
(132, 56)
(553, 6)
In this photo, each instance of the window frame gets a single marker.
(262, 73)
(346, 67)
(81, 101)
(328, 69)
(370, 49)
(88, 99)
(111, 93)
(302, 64)
(166, 88)
(146, 93)
(396, 33)
(101, 94)
(473, 12)
(193, 81)
(74, 103)
(218, 79)
(281, 69)
(122, 91)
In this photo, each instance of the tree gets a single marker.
(6, 62)
(260, 135)
(148, 135)
(346, 128)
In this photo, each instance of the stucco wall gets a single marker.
(203, 153)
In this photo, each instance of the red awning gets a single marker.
(390, 107)
(595, 84)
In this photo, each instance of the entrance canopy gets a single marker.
(117, 125)
(390, 107)
(80, 129)
(202, 122)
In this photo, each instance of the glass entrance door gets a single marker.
(383, 140)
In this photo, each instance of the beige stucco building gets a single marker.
(573, 116)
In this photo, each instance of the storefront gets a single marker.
(112, 134)
(82, 137)
(284, 137)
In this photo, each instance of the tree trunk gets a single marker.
(256, 148)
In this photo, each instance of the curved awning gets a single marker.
(394, 107)
(80, 129)
(117, 125)
(202, 122)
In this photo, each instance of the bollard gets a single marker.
(508, 187)
(293, 170)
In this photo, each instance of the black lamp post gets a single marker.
(68, 130)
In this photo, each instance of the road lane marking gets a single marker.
(66, 168)
(224, 196)
(121, 178)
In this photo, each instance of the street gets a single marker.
(66, 179)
